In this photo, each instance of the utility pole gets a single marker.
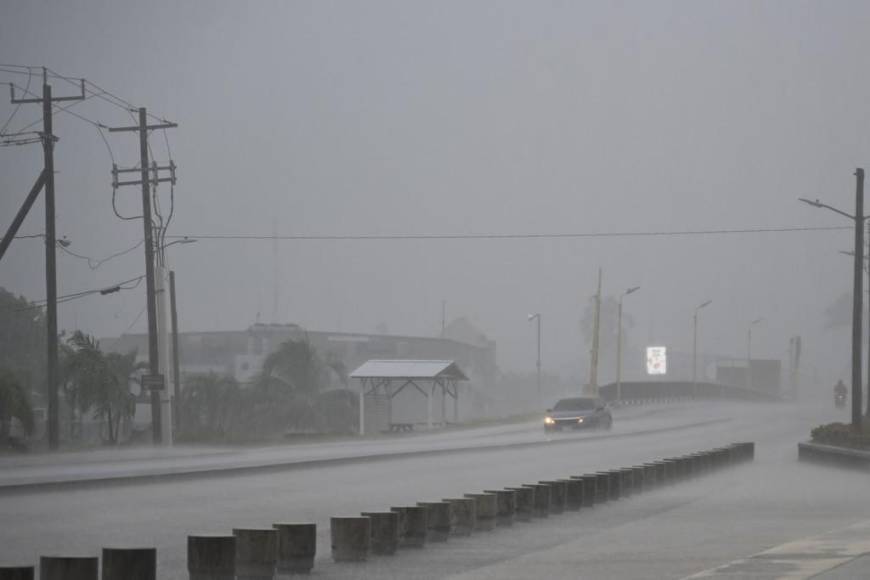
(593, 363)
(443, 317)
(176, 365)
(619, 342)
(538, 363)
(48, 140)
(857, 299)
(155, 381)
(695, 347)
(857, 292)
(749, 384)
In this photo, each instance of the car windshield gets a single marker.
(576, 404)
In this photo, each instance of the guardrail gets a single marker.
(262, 553)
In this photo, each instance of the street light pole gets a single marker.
(619, 343)
(695, 347)
(538, 317)
(857, 292)
(749, 352)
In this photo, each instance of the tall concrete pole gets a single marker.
(593, 363)
(176, 361)
(619, 351)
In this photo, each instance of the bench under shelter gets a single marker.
(390, 377)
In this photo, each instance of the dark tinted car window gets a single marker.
(577, 404)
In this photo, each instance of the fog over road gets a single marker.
(672, 532)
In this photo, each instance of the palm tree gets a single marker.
(14, 403)
(294, 368)
(209, 405)
(101, 382)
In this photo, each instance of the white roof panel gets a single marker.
(409, 369)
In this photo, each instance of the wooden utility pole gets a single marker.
(154, 381)
(48, 140)
(857, 299)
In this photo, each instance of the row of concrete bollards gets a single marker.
(289, 548)
(355, 538)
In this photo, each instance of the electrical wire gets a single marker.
(94, 263)
(516, 236)
(17, 106)
(135, 320)
(84, 293)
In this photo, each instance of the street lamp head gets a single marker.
(814, 203)
(756, 321)
(632, 289)
(704, 304)
(533, 316)
(184, 240)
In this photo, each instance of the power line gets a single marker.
(15, 110)
(125, 285)
(515, 236)
(94, 263)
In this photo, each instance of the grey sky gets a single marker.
(461, 117)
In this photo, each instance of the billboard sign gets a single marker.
(656, 360)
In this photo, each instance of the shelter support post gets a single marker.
(362, 411)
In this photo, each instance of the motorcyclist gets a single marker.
(840, 390)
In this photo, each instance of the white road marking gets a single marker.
(800, 559)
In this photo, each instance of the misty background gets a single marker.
(346, 118)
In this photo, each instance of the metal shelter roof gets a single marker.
(409, 369)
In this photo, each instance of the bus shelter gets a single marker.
(391, 377)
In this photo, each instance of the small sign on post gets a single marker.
(656, 360)
(153, 382)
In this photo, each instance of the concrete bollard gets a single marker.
(129, 563)
(506, 499)
(557, 495)
(439, 520)
(351, 538)
(525, 503)
(256, 553)
(297, 546)
(487, 510)
(649, 476)
(211, 557)
(464, 510)
(542, 499)
(602, 487)
(626, 481)
(639, 472)
(614, 484)
(385, 532)
(16, 572)
(589, 481)
(664, 475)
(68, 568)
(573, 494)
(413, 526)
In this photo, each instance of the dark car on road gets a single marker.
(578, 413)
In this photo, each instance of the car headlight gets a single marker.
(580, 420)
(549, 421)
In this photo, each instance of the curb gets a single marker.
(182, 473)
(833, 455)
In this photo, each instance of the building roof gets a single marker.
(409, 369)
